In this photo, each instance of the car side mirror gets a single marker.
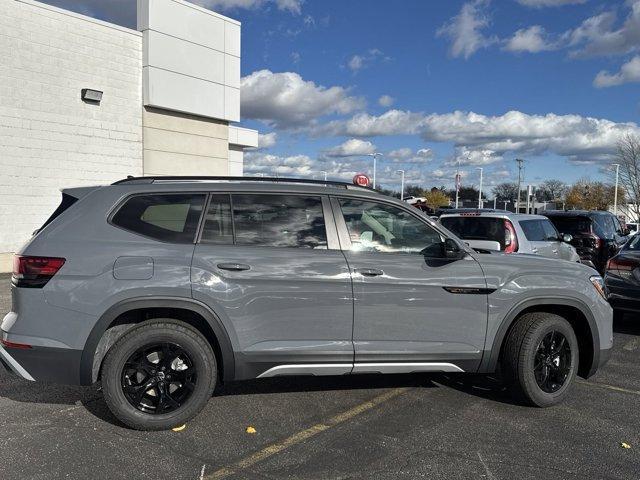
(567, 238)
(452, 250)
(625, 232)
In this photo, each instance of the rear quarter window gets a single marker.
(165, 217)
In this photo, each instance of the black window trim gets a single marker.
(343, 231)
(330, 228)
(116, 208)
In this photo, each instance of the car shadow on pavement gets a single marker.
(628, 325)
(91, 399)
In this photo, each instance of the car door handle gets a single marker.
(369, 272)
(234, 267)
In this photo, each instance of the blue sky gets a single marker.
(431, 83)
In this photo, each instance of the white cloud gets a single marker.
(407, 155)
(350, 148)
(386, 101)
(465, 30)
(392, 122)
(486, 138)
(286, 100)
(364, 60)
(293, 6)
(267, 140)
(272, 165)
(629, 72)
(549, 3)
(295, 57)
(598, 35)
(533, 39)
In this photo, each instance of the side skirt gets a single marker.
(359, 368)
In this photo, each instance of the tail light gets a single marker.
(510, 238)
(34, 272)
(623, 266)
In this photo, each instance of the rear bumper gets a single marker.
(43, 364)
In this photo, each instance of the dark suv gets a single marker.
(162, 287)
(597, 236)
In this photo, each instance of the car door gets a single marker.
(413, 309)
(270, 266)
(559, 248)
(535, 234)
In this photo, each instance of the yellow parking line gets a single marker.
(610, 387)
(304, 435)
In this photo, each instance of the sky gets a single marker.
(432, 85)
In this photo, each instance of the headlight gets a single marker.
(598, 284)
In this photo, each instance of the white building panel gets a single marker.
(174, 55)
(191, 43)
(181, 93)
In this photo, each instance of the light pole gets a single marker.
(480, 203)
(506, 202)
(458, 183)
(615, 194)
(519, 161)
(401, 172)
(375, 156)
(325, 175)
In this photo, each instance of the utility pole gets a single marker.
(520, 163)
(615, 194)
(480, 202)
(401, 184)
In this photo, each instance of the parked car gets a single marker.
(510, 233)
(597, 236)
(622, 278)
(160, 288)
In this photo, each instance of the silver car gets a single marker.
(510, 233)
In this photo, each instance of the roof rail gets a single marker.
(153, 179)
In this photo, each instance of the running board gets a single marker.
(346, 368)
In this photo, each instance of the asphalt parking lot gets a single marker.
(405, 426)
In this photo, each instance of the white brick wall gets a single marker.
(49, 138)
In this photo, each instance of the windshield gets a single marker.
(572, 225)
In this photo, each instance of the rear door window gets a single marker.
(166, 217)
(279, 221)
(550, 232)
(477, 228)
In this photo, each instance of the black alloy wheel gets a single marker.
(552, 363)
(158, 378)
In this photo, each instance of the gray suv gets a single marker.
(159, 288)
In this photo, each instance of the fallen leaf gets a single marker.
(625, 445)
(179, 429)
(251, 430)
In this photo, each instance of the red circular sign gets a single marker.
(361, 180)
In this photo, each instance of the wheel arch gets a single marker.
(134, 311)
(576, 312)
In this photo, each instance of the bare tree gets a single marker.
(551, 190)
(628, 156)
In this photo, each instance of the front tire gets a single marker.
(540, 358)
(158, 375)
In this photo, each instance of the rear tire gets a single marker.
(158, 375)
(540, 359)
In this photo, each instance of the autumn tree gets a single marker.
(436, 198)
(588, 195)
